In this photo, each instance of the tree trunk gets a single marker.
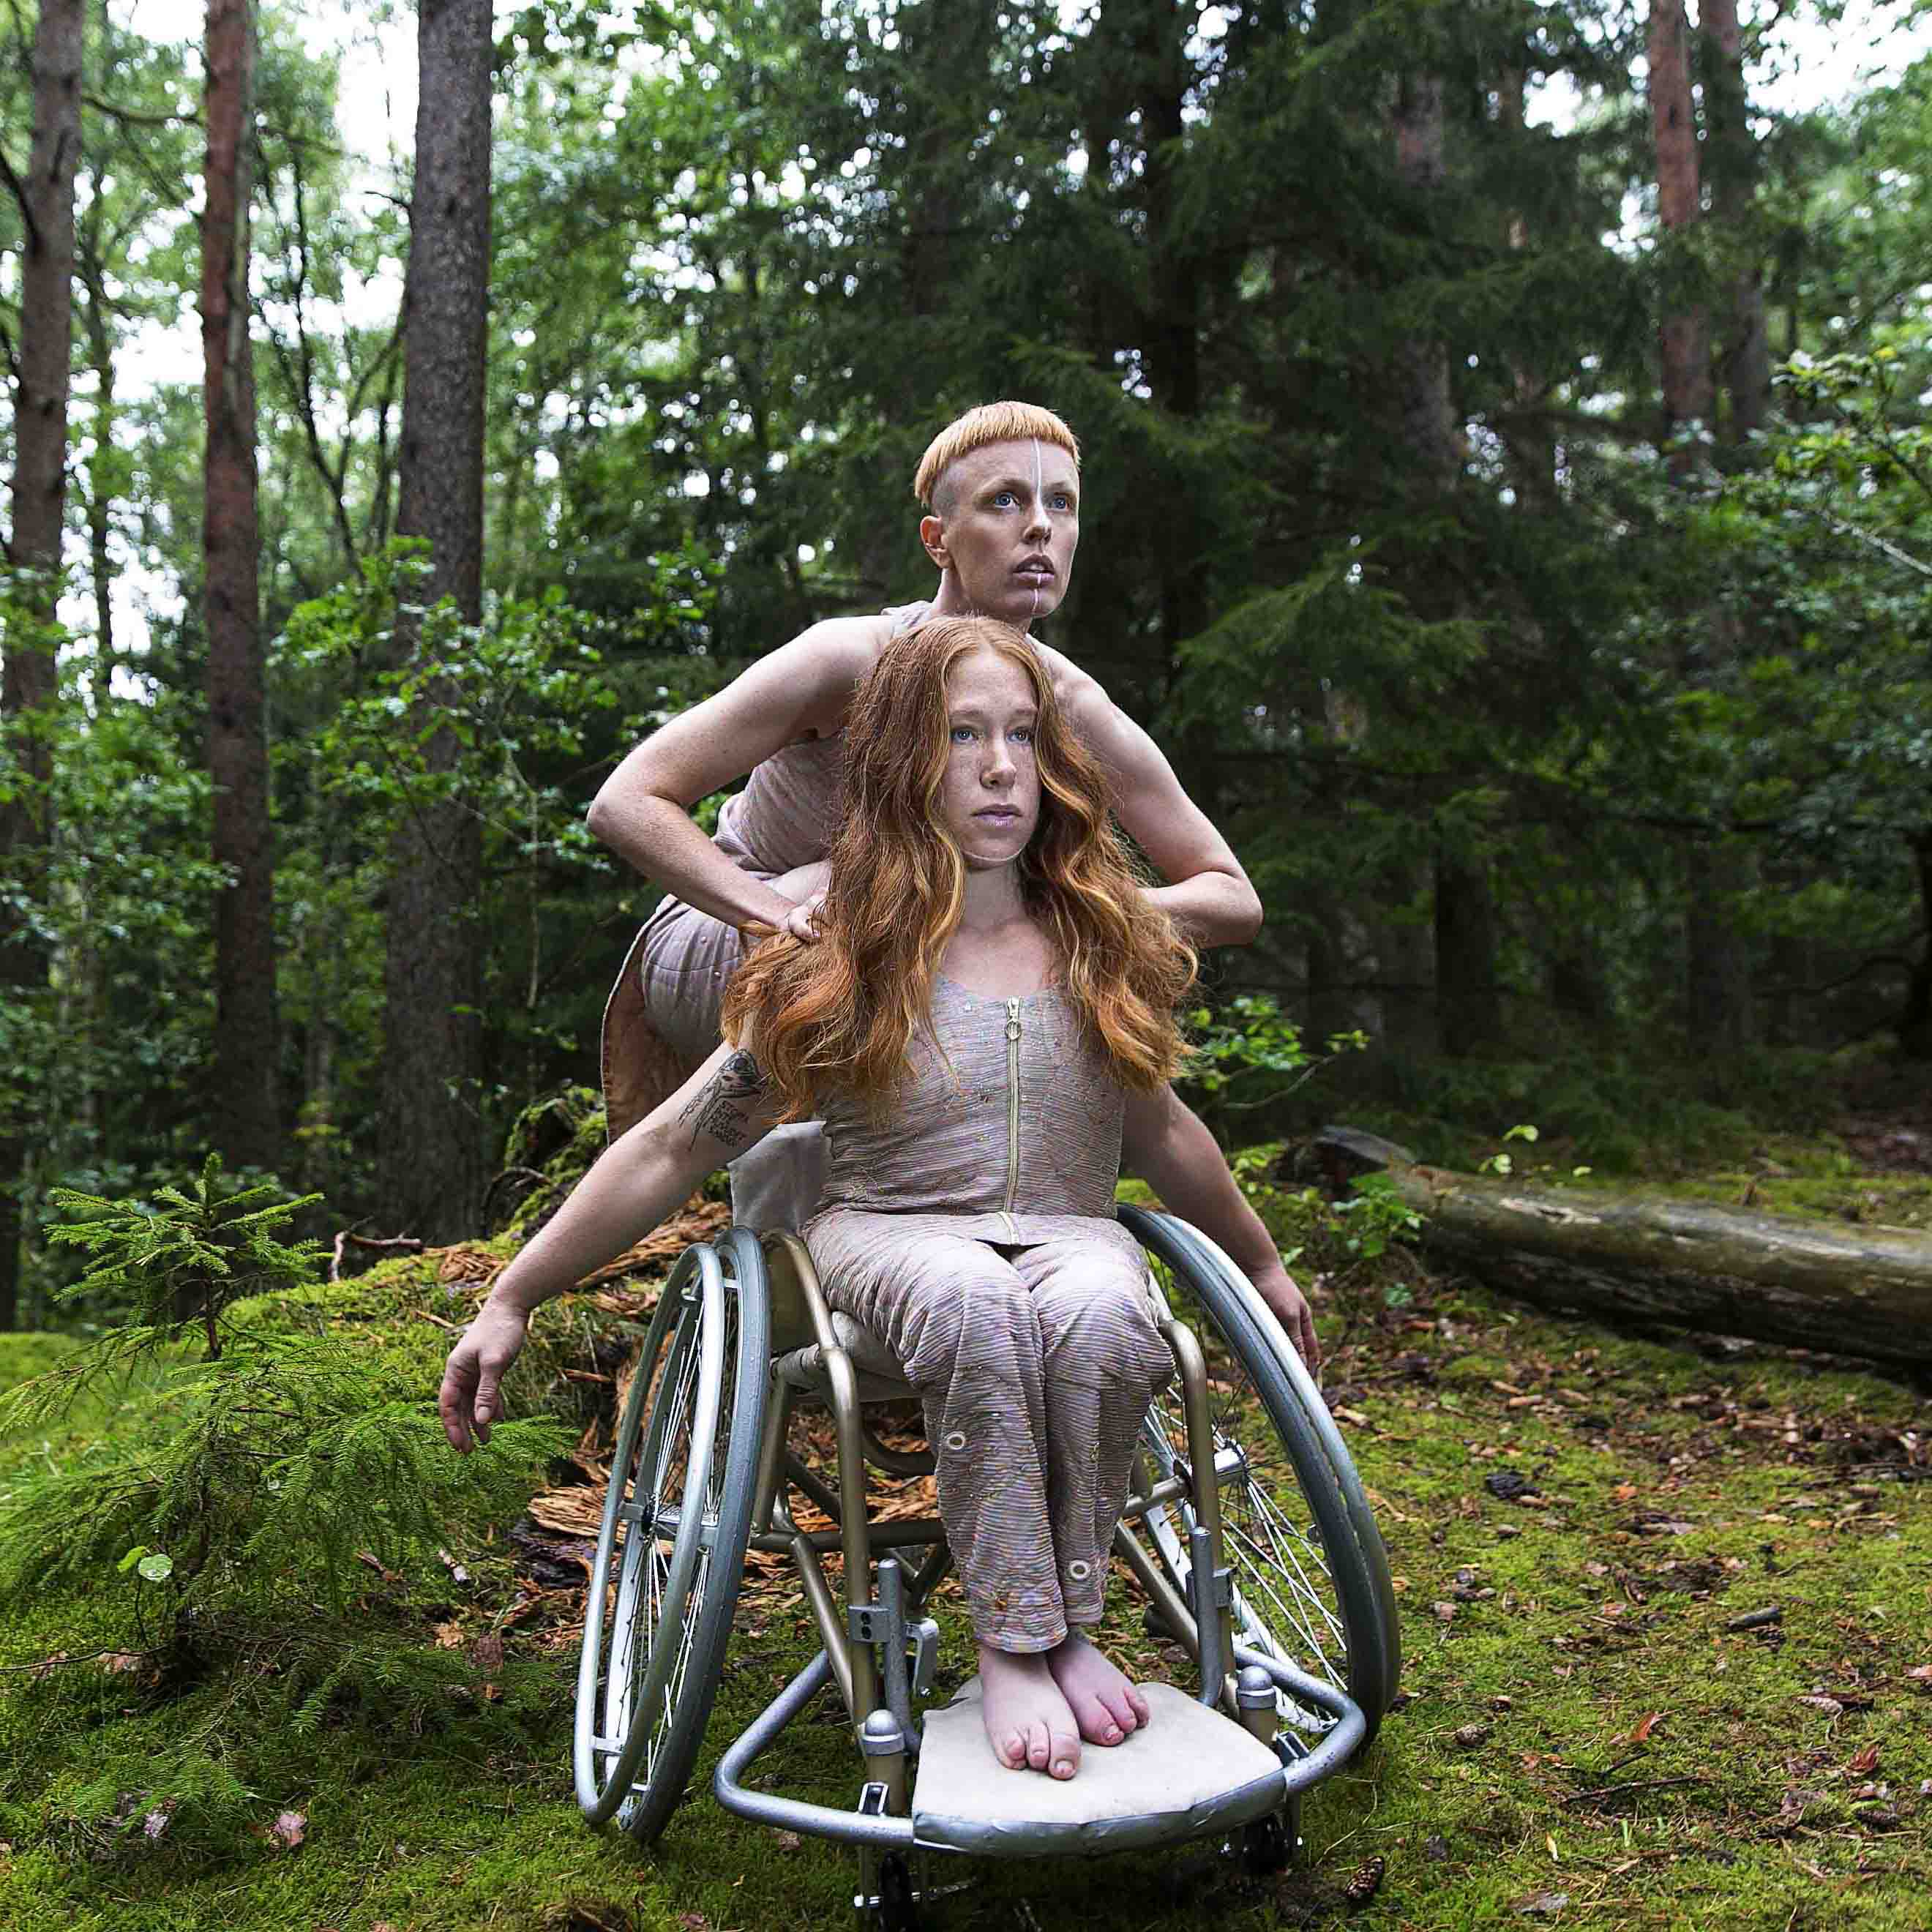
(1802, 1284)
(29, 684)
(100, 469)
(1466, 954)
(1684, 331)
(243, 1110)
(1915, 1022)
(431, 1154)
(1463, 922)
(1717, 1010)
(1744, 360)
(1718, 960)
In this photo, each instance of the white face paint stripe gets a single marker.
(1039, 498)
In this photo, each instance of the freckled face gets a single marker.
(1005, 526)
(990, 799)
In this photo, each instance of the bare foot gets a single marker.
(1104, 1704)
(1027, 1720)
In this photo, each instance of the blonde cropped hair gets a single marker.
(990, 422)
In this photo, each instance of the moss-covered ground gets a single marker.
(1667, 1620)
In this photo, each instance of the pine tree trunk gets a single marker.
(1463, 925)
(28, 684)
(1466, 954)
(1744, 360)
(101, 466)
(1717, 963)
(244, 1115)
(431, 1153)
(1685, 329)
(1915, 1023)
(1718, 1009)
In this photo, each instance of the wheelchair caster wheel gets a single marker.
(896, 1911)
(1265, 1845)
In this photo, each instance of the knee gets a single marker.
(1107, 1333)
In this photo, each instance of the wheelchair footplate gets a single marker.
(1191, 1771)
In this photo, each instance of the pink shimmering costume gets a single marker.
(661, 1020)
(972, 1229)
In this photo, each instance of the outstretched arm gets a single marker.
(643, 812)
(1164, 1141)
(1208, 895)
(644, 1176)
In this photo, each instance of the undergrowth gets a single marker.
(1666, 1620)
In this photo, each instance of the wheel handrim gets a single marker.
(685, 1612)
(685, 1368)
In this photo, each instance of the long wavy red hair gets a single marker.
(845, 1009)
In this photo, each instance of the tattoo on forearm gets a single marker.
(723, 1107)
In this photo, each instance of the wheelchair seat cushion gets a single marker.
(880, 1378)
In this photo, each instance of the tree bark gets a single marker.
(29, 683)
(101, 466)
(1717, 1008)
(1915, 1022)
(1466, 996)
(1802, 1284)
(1718, 1005)
(1685, 328)
(243, 1112)
(1745, 358)
(1463, 922)
(431, 1155)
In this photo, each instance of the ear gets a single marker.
(932, 534)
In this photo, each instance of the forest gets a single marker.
(1506, 503)
(1507, 500)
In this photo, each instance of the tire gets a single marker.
(1310, 1575)
(670, 1553)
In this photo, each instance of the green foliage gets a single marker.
(182, 1259)
(1247, 1054)
(263, 1464)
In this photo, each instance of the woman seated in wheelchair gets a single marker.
(988, 1017)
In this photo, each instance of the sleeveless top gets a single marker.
(788, 810)
(1009, 1118)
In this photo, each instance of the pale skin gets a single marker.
(1003, 532)
(1037, 1708)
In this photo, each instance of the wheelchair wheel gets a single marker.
(1310, 1576)
(671, 1555)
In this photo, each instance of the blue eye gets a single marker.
(962, 734)
(1061, 501)
(1003, 497)
(1021, 734)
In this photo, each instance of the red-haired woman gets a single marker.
(986, 1020)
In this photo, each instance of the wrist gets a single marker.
(506, 1300)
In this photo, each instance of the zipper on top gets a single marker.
(1012, 1102)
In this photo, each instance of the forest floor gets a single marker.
(1683, 1679)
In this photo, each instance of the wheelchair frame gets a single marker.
(760, 1304)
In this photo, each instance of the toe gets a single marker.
(1119, 1713)
(1138, 1703)
(1066, 1755)
(1011, 1750)
(1038, 1744)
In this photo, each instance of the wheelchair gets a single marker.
(1247, 1531)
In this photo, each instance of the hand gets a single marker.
(802, 922)
(471, 1397)
(1292, 1311)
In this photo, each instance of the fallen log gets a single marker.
(1850, 1290)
